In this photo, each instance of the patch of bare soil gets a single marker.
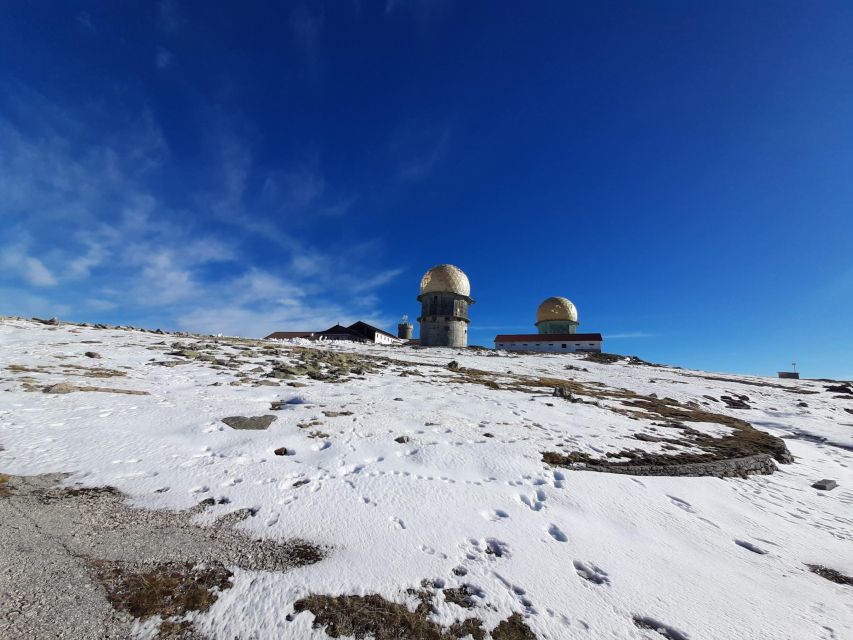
(374, 617)
(168, 589)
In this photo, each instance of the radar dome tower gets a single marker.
(557, 315)
(444, 296)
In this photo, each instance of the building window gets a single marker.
(564, 346)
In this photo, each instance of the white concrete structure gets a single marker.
(445, 296)
(553, 343)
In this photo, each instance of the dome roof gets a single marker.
(445, 278)
(556, 308)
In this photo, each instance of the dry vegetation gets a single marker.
(373, 616)
(5, 489)
(165, 590)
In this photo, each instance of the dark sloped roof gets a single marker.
(363, 327)
(341, 330)
(285, 335)
(549, 337)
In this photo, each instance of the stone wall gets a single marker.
(761, 464)
(444, 320)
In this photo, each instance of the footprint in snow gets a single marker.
(495, 515)
(535, 504)
(591, 572)
(681, 504)
(397, 522)
(751, 547)
(666, 631)
(556, 533)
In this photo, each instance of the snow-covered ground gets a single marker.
(467, 499)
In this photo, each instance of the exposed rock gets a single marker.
(761, 464)
(52, 321)
(825, 485)
(250, 422)
(830, 574)
(92, 354)
(735, 402)
(61, 387)
(402, 439)
(67, 387)
(283, 451)
(453, 365)
(840, 388)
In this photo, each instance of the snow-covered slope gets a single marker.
(408, 470)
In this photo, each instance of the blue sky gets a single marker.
(682, 171)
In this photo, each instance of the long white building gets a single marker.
(555, 342)
(557, 321)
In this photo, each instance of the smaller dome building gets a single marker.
(557, 322)
(557, 315)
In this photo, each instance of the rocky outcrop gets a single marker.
(760, 464)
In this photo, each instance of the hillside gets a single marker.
(257, 489)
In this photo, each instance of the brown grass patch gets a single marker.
(92, 372)
(5, 489)
(513, 628)
(166, 589)
(374, 617)
(20, 368)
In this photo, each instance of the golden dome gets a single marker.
(556, 308)
(445, 278)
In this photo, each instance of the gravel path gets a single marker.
(54, 539)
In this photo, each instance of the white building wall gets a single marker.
(547, 346)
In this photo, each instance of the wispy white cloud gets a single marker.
(15, 259)
(421, 165)
(169, 16)
(81, 199)
(305, 27)
(84, 21)
(163, 58)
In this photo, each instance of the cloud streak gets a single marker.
(94, 237)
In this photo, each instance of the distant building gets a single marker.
(557, 321)
(405, 329)
(790, 375)
(356, 332)
(445, 296)
(559, 342)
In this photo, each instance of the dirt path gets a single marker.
(73, 561)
